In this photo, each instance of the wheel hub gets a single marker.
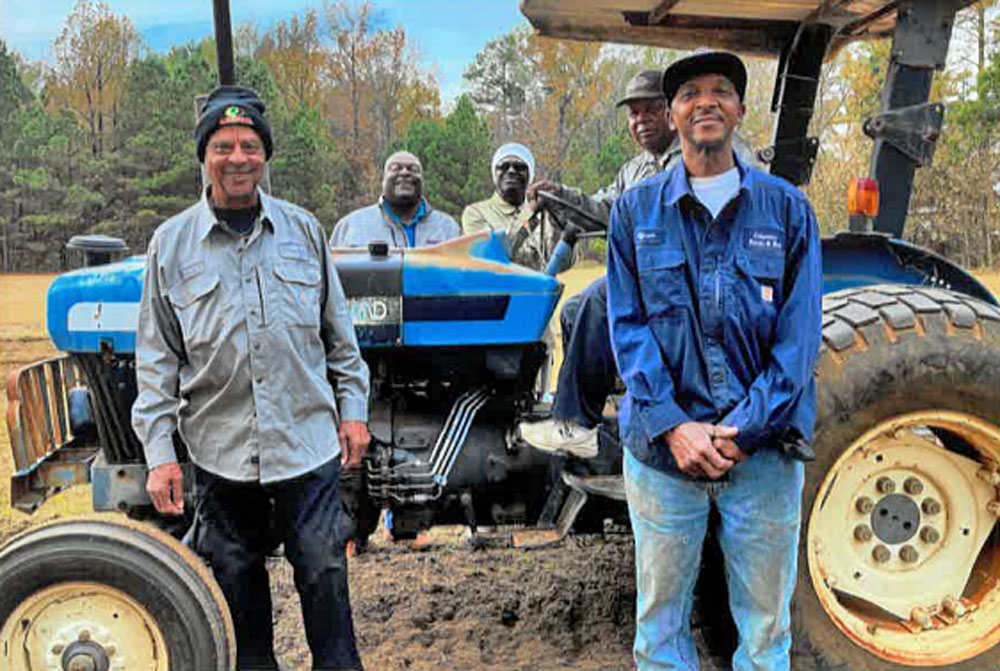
(85, 656)
(897, 540)
(895, 519)
(85, 627)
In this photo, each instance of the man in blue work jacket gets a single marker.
(714, 301)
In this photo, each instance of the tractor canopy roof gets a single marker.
(761, 28)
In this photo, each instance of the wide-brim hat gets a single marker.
(705, 62)
(647, 85)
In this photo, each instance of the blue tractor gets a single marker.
(900, 554)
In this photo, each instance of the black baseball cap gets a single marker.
(705, 62)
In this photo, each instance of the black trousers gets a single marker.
(240, 522)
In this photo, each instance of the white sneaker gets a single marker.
(552, 435)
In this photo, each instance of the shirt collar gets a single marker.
(206, 221)
(422, 211)
(658, 162)
(502, 205)
(677, 184)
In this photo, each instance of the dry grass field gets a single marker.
(23, 340)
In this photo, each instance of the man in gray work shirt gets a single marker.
(242, 324)
(402, 216)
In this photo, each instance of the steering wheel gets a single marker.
(593, 227)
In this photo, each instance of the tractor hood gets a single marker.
(462, 292)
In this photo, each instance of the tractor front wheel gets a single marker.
(109, 596)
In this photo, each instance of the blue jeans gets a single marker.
(588, 371)
(236, 529)
(759, 508)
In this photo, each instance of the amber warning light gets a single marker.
(862, 197)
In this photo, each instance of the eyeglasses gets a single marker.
(516, 166)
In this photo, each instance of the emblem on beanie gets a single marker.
(234, 115)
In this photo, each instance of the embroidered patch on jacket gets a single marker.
(191, 269)
(647, 236)
(764, 239)
(294, 250)
(767, 293)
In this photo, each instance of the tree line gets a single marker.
(98, 139)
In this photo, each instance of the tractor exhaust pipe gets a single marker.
(224, 42)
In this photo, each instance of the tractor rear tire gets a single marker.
(94, 593)
(911, 361)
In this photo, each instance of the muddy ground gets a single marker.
(451, 607)
(454, 608)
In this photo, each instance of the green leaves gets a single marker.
(456, 156)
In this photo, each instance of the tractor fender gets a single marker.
(852, 260)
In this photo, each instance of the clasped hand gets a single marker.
(702, 449)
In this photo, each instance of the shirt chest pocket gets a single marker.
(759, 283)
(663, 280)
(298, 293)
(197, 303)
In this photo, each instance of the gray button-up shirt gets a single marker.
(370, 223)
(238, 343)
(631, 173)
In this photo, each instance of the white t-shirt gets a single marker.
(716, 191)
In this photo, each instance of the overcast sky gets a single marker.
(448, 33)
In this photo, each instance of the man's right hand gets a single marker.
(531, 195)
(165, 485)
(691, 443)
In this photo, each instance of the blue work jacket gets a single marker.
(715, 320)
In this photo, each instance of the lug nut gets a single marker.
(909, 554)
(885, 485)
(864, 505)
(913, 486)
(990, 476)
(953, 606)
(994, 508)
(110, 650)
(57, 649)
(930, 507)
(863, 533)
(84, 635)
(921, 617)
(881, 554)
(930, 535)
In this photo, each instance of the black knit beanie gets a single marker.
(231, 106)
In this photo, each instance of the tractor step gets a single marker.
(580, 488)
(609, 486)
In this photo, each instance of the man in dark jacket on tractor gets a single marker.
(587, 375)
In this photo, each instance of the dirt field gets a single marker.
(446, 607)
